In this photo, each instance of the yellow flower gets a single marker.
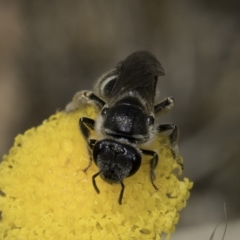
(46, 195)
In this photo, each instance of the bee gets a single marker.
(125, 98)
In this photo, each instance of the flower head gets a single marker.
(46, 195)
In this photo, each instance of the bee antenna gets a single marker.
(121, 193)
(94, 182)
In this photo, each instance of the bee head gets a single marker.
(116, 160)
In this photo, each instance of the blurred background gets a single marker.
(51, 49)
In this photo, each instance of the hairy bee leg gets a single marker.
(165, 105)
(173, 138)
(98, 101)
(82, 99)
(94, 182)
(86, 124)
(153, 165)
(91, 143)
(121, 193)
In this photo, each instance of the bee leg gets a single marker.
(82, 99)
(86, 124)
(99, 102)
(165, 105)
(153, 165)
(173, 137)
(91, 143)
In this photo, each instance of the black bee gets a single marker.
(125, 97)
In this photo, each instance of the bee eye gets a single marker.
(150, 120)
(104, 111)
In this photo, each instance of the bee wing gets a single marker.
(138, 72)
